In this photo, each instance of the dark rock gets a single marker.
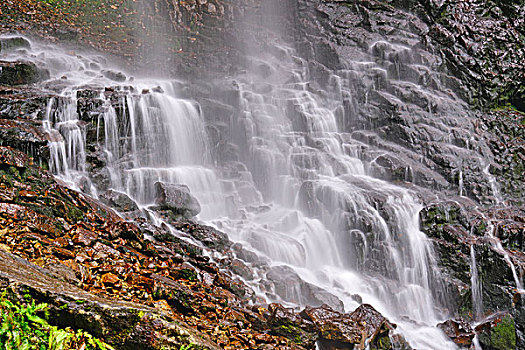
(289, 286)
(25, 136)
(241, 269)
(459, 331)
(21, 73)
(115, 76)
(118, 200)
(498, 332)
(337, 330)
(207, 235)
(12, 43)
(177, 199)
(285, 322)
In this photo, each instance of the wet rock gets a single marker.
(20, 73)
(177, 199)
(26, 137)
(285, 322)
(115, 76)
(23, 103)
(289, 286)
(13, 43)
(207, 235)
(459, 331)
(118, 200)
(241, 269)
(338, 330)
(498, 332)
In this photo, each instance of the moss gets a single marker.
(187, 274)
(382, 342)
(503, 335)
(291, 332)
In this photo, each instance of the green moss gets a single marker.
(291, 332)
(382, 342)
(188, 274)
(503, 335)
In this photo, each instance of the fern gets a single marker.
(21, 328)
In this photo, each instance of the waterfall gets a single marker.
(477, 297)
(301, 193)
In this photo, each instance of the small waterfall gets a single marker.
(154, 137)
(475, 285)
(67, 142)
(461, 184)
(498, 247)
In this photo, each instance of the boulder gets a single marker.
(118, 200)
(177, 199)
(291, 288)
(21, 73)
(207, 235)
(285, 322)
(341, 331)
(16, 42)
(459, 331)
(115, 76)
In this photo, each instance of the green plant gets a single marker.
(21, 328)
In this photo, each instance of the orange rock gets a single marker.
(109, 279)
(63, 253)
(83, 237)
(162, 305)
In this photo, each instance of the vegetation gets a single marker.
(503, 336)
(23, 328)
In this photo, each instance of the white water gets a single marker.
(477, 296)
(321, 213)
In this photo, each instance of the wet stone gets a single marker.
(176, 198)
(459, 331)
(21, 73)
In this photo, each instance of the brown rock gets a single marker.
(83, 237)
(63, 253)
(459, 331)
(109, 279)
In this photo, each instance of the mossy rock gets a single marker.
(21, 73)
(16, 42)
(502, 336)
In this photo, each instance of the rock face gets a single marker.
(177, 199)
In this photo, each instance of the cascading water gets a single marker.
(302, 192)
(301, 195)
